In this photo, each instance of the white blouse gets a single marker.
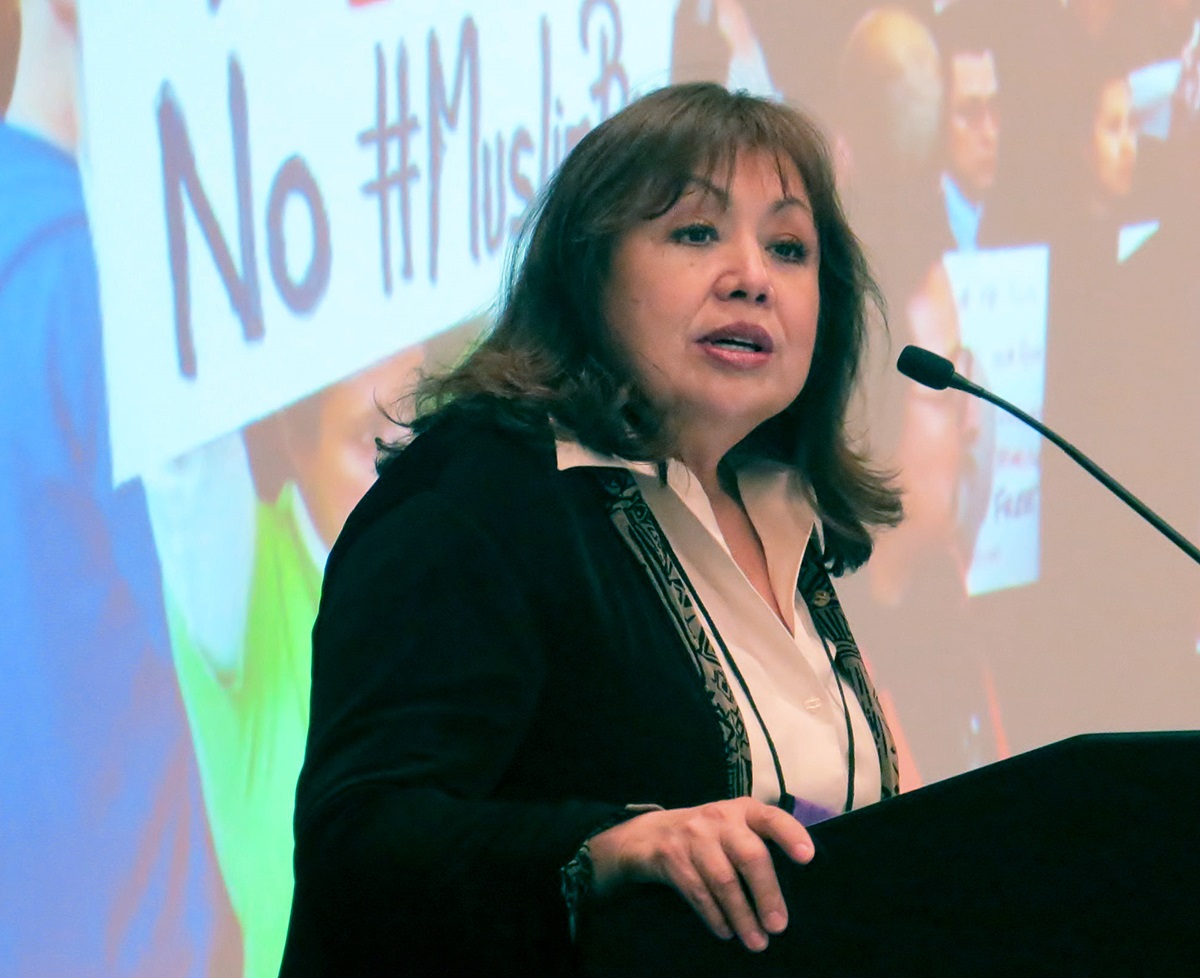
(787, 673)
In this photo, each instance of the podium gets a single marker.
(1078, 858)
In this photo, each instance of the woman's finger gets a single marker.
(725, 884)
(691, 886)
(752, 860)
(783, 829)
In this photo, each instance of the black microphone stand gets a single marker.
(926, 363)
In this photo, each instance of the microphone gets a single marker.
(930, 370)
(927, 368)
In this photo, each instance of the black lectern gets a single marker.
(1075, 859)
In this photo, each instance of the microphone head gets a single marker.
(925, 367)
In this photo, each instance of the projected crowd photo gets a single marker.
(235, 235)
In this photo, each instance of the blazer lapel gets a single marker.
(817, 590)
(639, 529)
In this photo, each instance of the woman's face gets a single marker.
(1114, 142)
(716, 301)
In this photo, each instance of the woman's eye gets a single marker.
(791, 251)
(694, 234)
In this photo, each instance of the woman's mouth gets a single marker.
(741, 345)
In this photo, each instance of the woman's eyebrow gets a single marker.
(788, 201)
(702, 186)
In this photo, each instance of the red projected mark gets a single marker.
(363, 3)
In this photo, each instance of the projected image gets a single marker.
(998, 193)
(102, 823)
(240, 617)
(230, 231)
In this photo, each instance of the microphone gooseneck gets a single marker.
(931, 370)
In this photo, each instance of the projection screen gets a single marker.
(230, 230)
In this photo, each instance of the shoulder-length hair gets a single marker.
(551, 352)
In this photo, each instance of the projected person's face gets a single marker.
(890, 89)
(1114, 141)
(334, 463)
(973, 130)
(715, 302)
(939, 427)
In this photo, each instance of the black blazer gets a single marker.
(493, 678)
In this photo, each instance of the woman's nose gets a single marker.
(746, 276)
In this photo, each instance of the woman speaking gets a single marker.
(580, 636)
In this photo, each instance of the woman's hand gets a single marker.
(714, 855)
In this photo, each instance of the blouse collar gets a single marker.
(773, 494)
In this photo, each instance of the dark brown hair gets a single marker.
(551, 352)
